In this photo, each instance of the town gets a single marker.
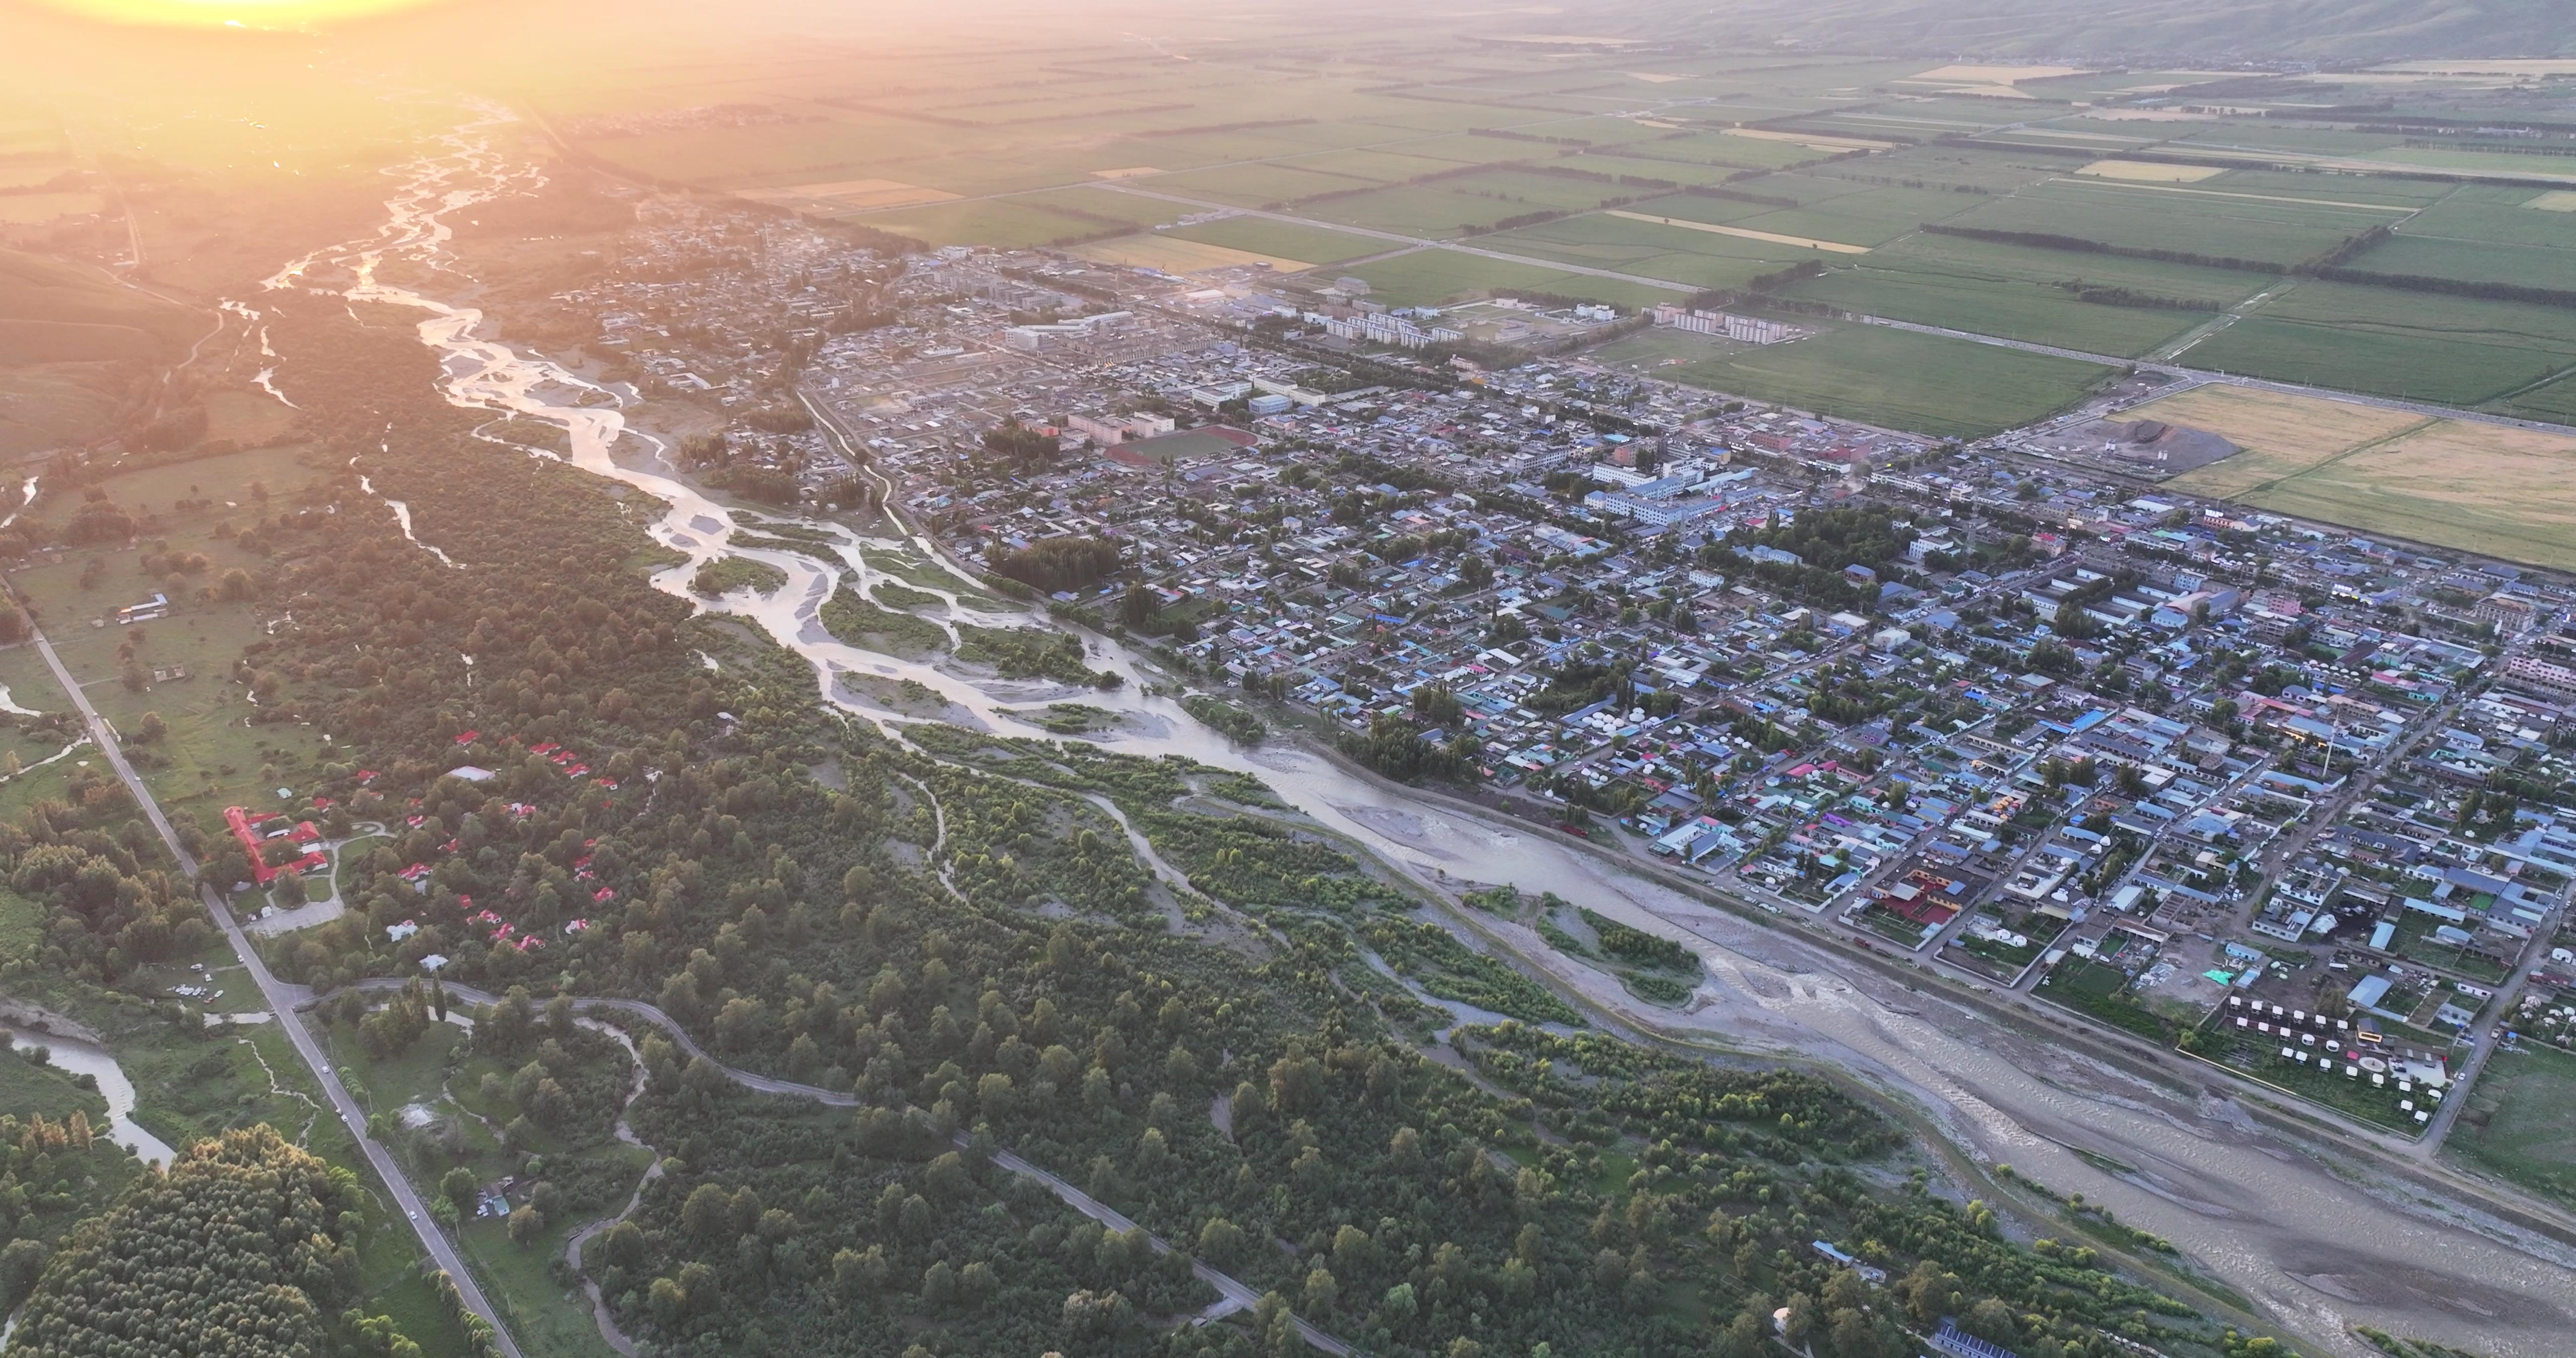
(2284, 799)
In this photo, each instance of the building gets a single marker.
(1744, 329)
(2533, 674)
(1958, 1343)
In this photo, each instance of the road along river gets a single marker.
(2312, 1247)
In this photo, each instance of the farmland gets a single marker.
(2452, 483)
(1901, 380)
(2111, 224)
(2516, 1123)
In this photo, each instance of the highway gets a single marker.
(280, 999)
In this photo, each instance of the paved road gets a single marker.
(281, 999)
(1236, 1294)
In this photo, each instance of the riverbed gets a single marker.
(2314, 1249)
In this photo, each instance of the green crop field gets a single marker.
(1734, 153)
(1430, 277)
(1958, 257)
(1901, 380)
(1006, 223)
(1700, 259)
(2175, 217)
(1289, 240)
(2427, 347)
(1988, 305)
(2553, 399)
(1252, 185)
(2516, 1124)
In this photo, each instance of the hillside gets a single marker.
(72, 345)
(52, 313)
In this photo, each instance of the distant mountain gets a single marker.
(2312, 30)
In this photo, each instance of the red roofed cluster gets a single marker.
(245, 825)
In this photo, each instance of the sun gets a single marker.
(231, 13)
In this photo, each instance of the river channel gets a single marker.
(2315, 1248)
(90, 1059)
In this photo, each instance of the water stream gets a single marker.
(88, 1058)
(2310, 1246)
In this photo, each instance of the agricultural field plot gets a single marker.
(1873, 216)
(1965, 170)
(1990, 305)
(2150, 171)
(2346, 189)
(1648, 352)
(2553, 400)
(2491, 489)
(2206, 289)
(2157, 217)
(1902, 380)
(2282, 434)
(1253, 185)
(1174, 255)
(1633, 167)
(2484, 235)
(1431, 277)
(2454, 350)
(1387, 166)
(1700, 258)
(1003, 223)
(1455, 206)
(1282, 240)
(2516, 1124)
(1732, 152)
(2427, 255)
(2269, 136)
(2477, 164)
(1108, 207)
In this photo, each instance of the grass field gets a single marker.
(1004, 223)
(1285, 240)
(2157, 217)
(1430, 277)
(1675, 251)
(2282, 434)
(210, 758)
(1171, 254)
(2454, 350)
(1989, 305)
(1901, 380)
(2517, 1124)
(2492, 489)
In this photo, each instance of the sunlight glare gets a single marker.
(240, 14)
